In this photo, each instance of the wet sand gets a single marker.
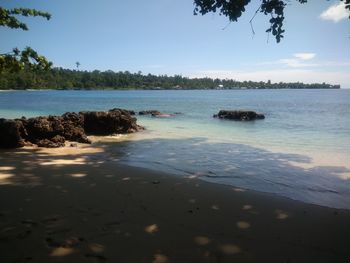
(77, 204)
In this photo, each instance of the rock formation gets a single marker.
(155, 113)
(239, 115)
(150, 112)
(53, 131)
(12, 133)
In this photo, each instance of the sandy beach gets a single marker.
(78, 204)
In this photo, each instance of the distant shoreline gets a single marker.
(136, 89)
(60, 78)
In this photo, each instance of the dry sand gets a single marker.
(77, 205)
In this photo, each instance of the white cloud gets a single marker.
(299, 60)
(335, 13)
(305, 56)
(295, 63)
(299, 68)
(277, 75)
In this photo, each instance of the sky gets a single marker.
(164, 37)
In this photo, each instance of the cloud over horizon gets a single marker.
(299, 60)
(280, 75)
(305, 56)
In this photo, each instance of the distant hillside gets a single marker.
(59, 78)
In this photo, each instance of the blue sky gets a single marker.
(163, 37)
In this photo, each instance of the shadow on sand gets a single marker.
(290, 175)
(86, 207)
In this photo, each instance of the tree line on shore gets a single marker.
(66, 79)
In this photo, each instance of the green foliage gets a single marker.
(59, 78)
(28, 58)
(233, 9)
(8, 17)
(18, 60)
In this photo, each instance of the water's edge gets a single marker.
(301, 150)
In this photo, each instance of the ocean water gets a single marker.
(301, 150)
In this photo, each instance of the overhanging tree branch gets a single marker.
(18, 60)
(233, 9)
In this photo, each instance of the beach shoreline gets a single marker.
(77, 204)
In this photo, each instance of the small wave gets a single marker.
(323, 190)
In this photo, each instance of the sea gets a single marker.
(301, 150)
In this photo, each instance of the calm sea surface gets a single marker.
(301, 150)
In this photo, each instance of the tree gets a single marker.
(233, 9)
(17, 60)
(59, 78)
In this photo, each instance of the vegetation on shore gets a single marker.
(66, 79)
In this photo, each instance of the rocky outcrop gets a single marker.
(131, 112)
(73, 124)
(150, 112)
(41, 130)
(11, 133)
(155, 113)
(113, 121)
(43, 127)
(55, 142)
(239, 115)
(53, 131)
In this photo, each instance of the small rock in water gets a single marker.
(150, 112)
(239, 115)
(158, 114)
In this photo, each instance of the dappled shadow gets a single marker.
(29, 164)
(86, 207)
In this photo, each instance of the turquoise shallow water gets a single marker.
(301, 150)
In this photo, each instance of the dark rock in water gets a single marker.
(131, 112)
(11, 133)
(239, 115)
(53, 131)
(150, 112)
(111, 122)
(155, 113)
